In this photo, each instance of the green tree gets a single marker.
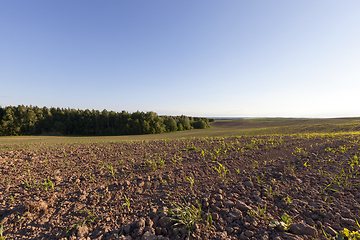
(59, 127)
(34, 120)
(30, 121)
(105, 118)
(185, 121)
(8, 124)
(146, 127)
(170, 124)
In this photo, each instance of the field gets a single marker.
(241, 179)
(220, 128)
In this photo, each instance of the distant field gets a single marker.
(219, 128)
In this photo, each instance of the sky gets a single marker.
(206, 58)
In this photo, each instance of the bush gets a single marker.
(200, 124)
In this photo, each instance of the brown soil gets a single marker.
(302, 177)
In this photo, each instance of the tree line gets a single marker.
(33, 120)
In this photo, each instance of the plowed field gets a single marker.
(226, 188)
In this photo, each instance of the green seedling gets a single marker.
(185, 214)
(191, 180)
(346, 234)
(291, 168)
(12, 199)
(164, 182)
(269, 191)
(288, 200)
(251, 213)
(249, 146)
(325, 234)
(174, 162)
(225, 151)
(91, 215)
(161, 162)
(284, 224)
(354, 162)
(19, 219)
(127, 203)
(237, 171)
(91, 177)
(217, 151)
(2, 237)
(328, 149)
(307, 165)
(102, 165)
(112, 170)
(147, 164)
(259, 180)
(153, 165)
(257, 213)
(221, 170)
(28, 164)
(29, 173)
(98, 196)
(179, 160)
(30, 184)
(342, 180)
(203, 154)
(48, 184)
(75, 226)
(209, 221)
(273, 181)
(300, 152)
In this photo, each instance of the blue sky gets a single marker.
(199, 58)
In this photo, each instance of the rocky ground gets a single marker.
(270, 187)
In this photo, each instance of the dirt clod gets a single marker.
(36, 206)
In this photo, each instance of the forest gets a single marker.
(33, 120)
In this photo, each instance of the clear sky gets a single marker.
(212, 58)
